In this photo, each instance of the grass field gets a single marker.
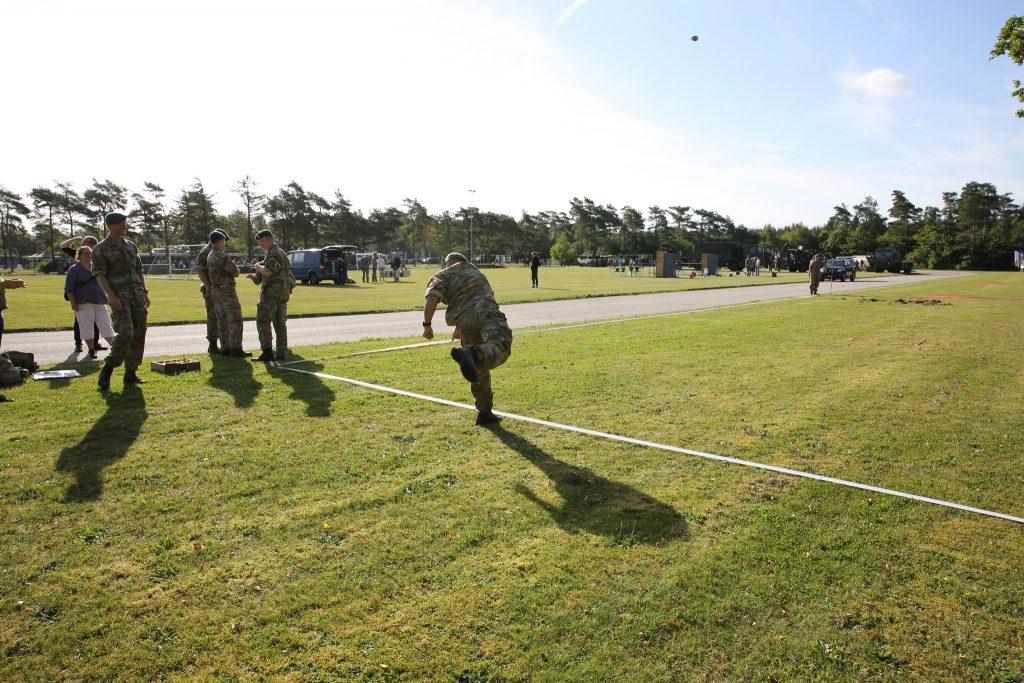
(41, 305)
(252, 524)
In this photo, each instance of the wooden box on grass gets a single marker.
(173, 367)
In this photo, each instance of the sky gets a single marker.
(781, 110)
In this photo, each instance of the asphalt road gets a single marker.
(178, 340)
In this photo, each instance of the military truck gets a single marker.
(794, 259)
(889, 259)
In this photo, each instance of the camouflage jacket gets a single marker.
(118, 260)
(279, 282)
(466, 292)
(221, 270)
(203, 258)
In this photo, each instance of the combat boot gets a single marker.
(487, 418)
(266, 356)
(467, 362)
(104, 379)
(132, 377)
(281, 355)
(214, 349)
(239, 353)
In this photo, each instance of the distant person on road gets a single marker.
(396, 267)
(69, 248)
(273, 274)
(222, 273)
(118, 268)
(13, 283)
(814, 272)
(482, 328)
(88, 301)
(212, 331)
(534, 267)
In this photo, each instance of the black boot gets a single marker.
(213, 347)
(281, 355)
(132, 377)
(266, 356)
(467, 362)
(104, 379)
(487, 418)
(239, 353)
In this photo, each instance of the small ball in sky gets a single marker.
(693, 38)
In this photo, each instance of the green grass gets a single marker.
(248, 524)
(41, 306)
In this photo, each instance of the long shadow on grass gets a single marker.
(595, 504)
(234, 376)
(317, 395)
(107, 442)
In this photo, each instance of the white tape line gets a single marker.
(664, 447)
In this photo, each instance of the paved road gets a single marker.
(170, 340)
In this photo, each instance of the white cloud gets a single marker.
(878, 83)
(569, 11)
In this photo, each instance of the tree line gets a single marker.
(977, 227)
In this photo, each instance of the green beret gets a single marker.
(264, 233)
(113, 218)
(455, 256)
(218, 235)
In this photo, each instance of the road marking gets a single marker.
(664, 447)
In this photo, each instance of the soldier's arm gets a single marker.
(429, 308)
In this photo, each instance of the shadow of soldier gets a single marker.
(595, 504)
(312, 390)
(234, 376)
(107, 441)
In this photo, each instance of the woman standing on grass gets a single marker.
(88, 301)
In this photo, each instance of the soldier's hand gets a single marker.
(147, 301)
(74, 307)
(115, 303)
(457, 334)
(428, 333)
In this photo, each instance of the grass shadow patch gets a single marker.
(107, 442)
(234, 376)
(308, 388)
(594, 504)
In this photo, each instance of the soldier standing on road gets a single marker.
(118, 268)
(273, 273)
(212, 333)
(473, 312)
(814, 271)
(222, 272)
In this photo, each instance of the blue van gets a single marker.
(311, 266)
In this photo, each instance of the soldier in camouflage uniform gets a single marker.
(814, 272)
(211, 313)
(473, 312)
(222, 272)
(117, 267)
(274, 274)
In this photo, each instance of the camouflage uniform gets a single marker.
(211, 312)
(222, 272)
(814, 271)
(364, 267)
(472, 308)
(272, 308)
(118, 260)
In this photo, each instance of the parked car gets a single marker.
(841, 268)
(310, 266)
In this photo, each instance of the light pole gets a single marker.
(471, 228)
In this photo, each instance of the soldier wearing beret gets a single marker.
(482, 328)
(274, 275)
(117, 267)
(814, 272)
(222, 272)
(212, 334)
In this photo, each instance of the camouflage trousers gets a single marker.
(272, 310)
(491, 342)
(229, 316)
(129, 334)
(211, 317)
